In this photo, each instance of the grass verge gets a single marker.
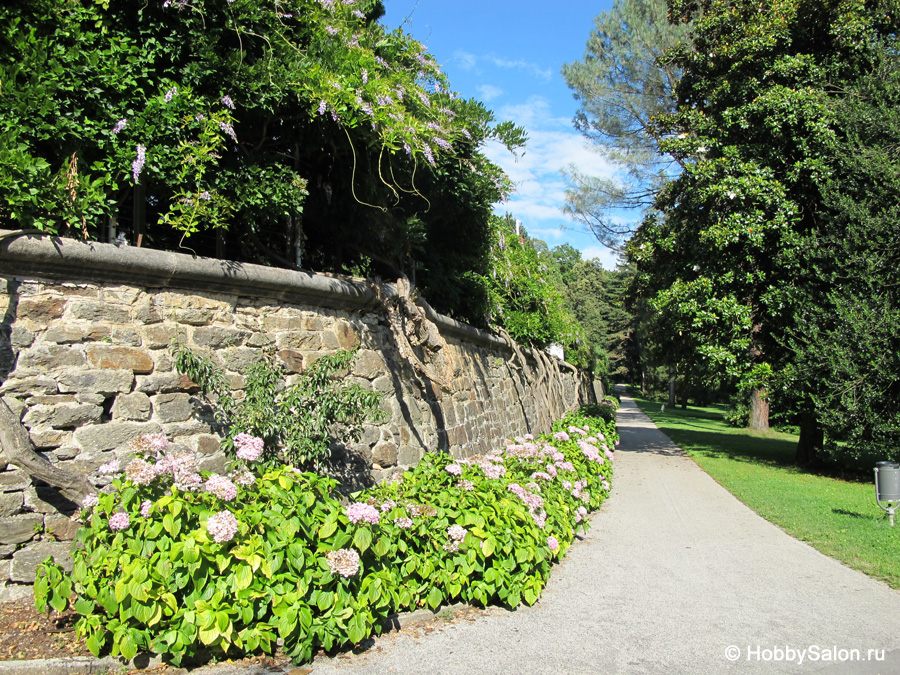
(839, 517)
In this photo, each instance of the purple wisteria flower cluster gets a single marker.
(138, 164)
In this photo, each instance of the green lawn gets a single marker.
(838, 517)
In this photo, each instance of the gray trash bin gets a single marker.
(887, 481)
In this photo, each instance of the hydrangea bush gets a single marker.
(190, 564)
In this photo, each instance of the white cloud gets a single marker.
(608, 258)
(553, 145)
(465, 60)
(468, 61)
(542, 73)
(489, 92)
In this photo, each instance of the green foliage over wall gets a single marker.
(300, 133)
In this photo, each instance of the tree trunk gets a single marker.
(671, 389)
(19, 450)
(759, 410)
(812, 438)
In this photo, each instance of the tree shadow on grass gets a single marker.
(852, 514)
(774, 452)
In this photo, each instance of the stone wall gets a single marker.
(84, 361)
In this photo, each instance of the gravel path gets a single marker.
(675, 576)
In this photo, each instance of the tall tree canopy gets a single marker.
(302, 129)
(623, 82)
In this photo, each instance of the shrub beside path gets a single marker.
(675, 576)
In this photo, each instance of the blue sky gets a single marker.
(509, 55)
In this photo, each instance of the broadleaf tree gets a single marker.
(757, 130)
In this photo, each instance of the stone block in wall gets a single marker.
(106, 382)
(383, 384)
(6, 550)
(20, 337)
(164, 383)
(219, 337)
(62, 416)
(134, 407)
(408, 455)
(65, 452)
(346, 335)
(41, 310)
(62, 527)
(13, 480)
(120, 358)
(11, 503)
(47, 500)
(17, 407)
(259, 340)
(33, 386)
(369, 364)
(44, 358)
(126, 336)
(5, 566)
(146, 313)
(126, 295)
(111, 435)
(172, 407)
(159, 335)
(49, 438)
(206, 444)
(21, 528)
(298, 339)
(238, 359)
(10, 592)
(385, 454)
(26, 560)
(99, 312)
(292, 360)
(190, 427)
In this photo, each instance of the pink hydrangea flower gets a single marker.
(119, 521)
(456, 532)
(249, 448)
(358, 512)
(466, 485)
(222, 526)
(388, 505)
(552, 543)
(403, 523)
(454, 469)
(145, 507)
(90, 500)
(109, 468)
(242, 477)
(140, 472)
(491, 470)
(561, 436)
(344, 561)
(221, 487)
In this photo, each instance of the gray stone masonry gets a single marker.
(84, 360)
